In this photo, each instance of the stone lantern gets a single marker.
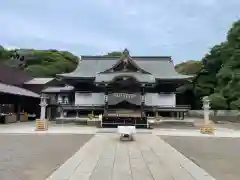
(43, 105)
(207, 128)
(206, 108)
(42, 123)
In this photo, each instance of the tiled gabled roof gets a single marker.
(13, 76)
(39, 81)
(161, 67)
(9, 89)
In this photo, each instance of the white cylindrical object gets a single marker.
(43, 112)
(61, 114)
(100, 117)
(206, 116)
(206, 108)
(43, 105)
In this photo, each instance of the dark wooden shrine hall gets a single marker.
(15, 100)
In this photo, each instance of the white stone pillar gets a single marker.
(206, 107)
(43, 105)
(100, 117)
(61, 113)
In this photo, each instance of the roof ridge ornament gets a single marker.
(125, 58)
(126, 52)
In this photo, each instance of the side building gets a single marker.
(17, 103)
(126, 89)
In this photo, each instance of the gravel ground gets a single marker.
(220, 157)
(35, 157)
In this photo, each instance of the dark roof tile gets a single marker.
(12, 75)
(161, 67)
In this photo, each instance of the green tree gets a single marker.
(114, 53)
(235, 105)
(218, 102)
(4, 54)
(42, 63)
(190, 67)
(219, 77)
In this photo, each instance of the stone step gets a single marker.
(164, 123)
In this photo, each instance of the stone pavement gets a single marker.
(218, 156)
(105, 157)
(35, 157)
(219, 133)
(29, 128)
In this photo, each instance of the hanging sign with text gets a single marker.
(116, 98)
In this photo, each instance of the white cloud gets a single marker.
(103, 25)
(30, 28)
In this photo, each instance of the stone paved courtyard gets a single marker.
(57, 154)
(220, 157)
(34, 157)
(104, 157)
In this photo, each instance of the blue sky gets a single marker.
(183, 29)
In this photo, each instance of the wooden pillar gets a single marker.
(92, 110)
(49, 113)
(181, 115)
(177, 115)
(18, 112)
(17, 107)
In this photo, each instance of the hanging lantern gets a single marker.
(106, 98)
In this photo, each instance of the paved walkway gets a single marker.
(104, 157)
(29, 128)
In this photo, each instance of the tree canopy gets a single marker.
(114, 53)
(40, 63)
(190, 67)
(219, 75)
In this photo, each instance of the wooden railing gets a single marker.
(72, 105)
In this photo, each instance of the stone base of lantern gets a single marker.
(207, 129)
(41, 125)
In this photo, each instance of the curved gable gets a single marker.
(161, 67)
(125, 63)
